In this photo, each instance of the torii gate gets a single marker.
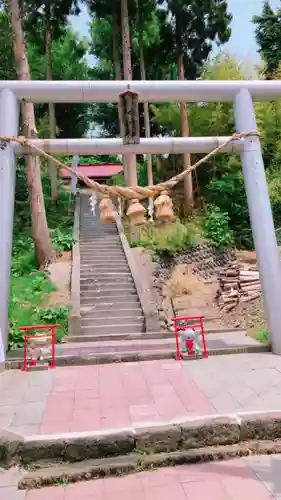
(240, 92)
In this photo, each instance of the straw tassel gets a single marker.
(107, 210)
(164, 208)
(136, 213)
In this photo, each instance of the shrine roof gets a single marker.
(98, 170)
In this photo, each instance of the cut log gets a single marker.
(250, 287)
(229, 307)
(250, 274)
(229, 273)
(227, 279)
(244, 279)
(251, 297)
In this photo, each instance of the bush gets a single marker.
(167, 239)
(228, 194)
(216, 227)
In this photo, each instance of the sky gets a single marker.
(242, 44)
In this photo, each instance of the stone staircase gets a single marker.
(108, 297)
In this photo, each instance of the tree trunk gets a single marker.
(52, 117)
(128, 75)
(188, 185)
(118, 76)
(40, 232)
(146, 126)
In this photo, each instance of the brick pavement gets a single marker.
(241, 479)
(85, 398)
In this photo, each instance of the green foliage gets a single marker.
(268, 36)
(68, 63)
(163, 30)
(228, 194)
(216, 227)
(55, 315)
(27, 293)
(30, 288)
(167, 240)
(263, 336)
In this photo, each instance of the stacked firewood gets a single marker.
(238, 283)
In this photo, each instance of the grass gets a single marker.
(29, 288)
(28, 292)
(167, 239)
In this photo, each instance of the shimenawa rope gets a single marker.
(128, 192)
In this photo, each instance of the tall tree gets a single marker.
(147, 27)
(191, 28)
(40, 232)
(268, 37)
(49, 17)
(107, 20)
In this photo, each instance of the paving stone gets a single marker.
(231, 480)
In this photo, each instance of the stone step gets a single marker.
(101, 247)
(96, 252)
(108, 319)
(114, 337)
(94, 273)
(88, 284)
(109, 292)
(97, 282)
(113, 328)
(94, 240)
(102, 239)
(86, 230)
(98, 272)
(98, 275)
(114, 268)
(98, 230)
(89, 264)
(109, 264)
(111, 279)
(114, 311)
(108, 301)
(99, 257)
(99, 240)
(103, 289)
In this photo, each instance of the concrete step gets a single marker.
(90, 241)
(98, 275)
(100, 289)
(113, 328)
(118, 260)
(108, 301)
(105, 256)
(96, 272)
(114, 285)
(106, 281)
(101, 240)
(109, 265)
(114, 311)
(100, 258)
(108, 292)
(114, 337)
(107, 320)
(114, 268)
